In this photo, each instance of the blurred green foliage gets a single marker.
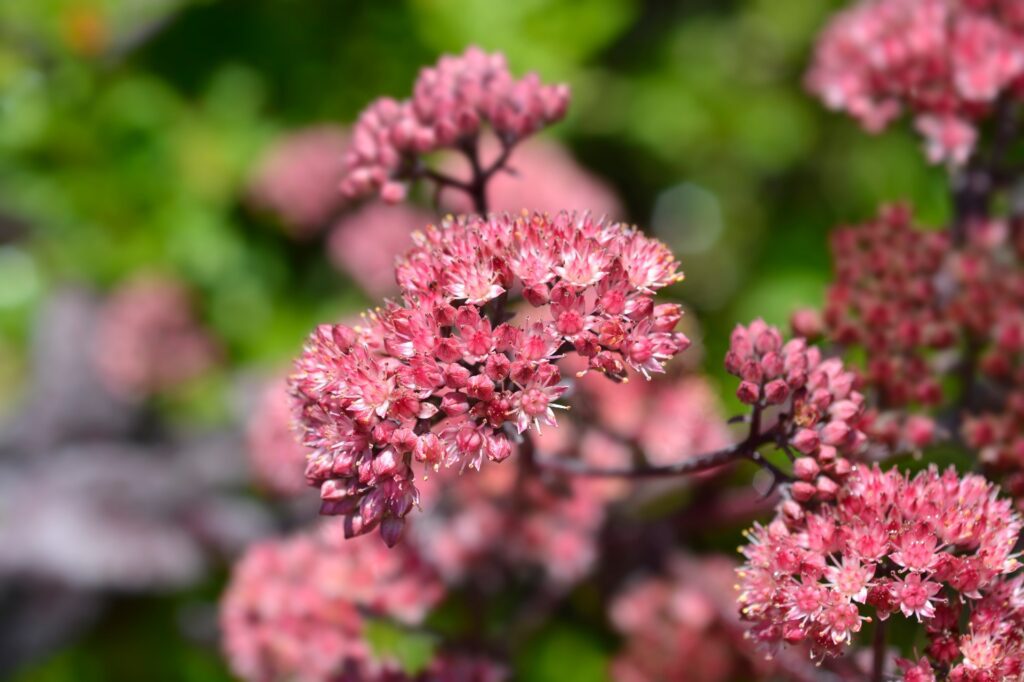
(128, 128)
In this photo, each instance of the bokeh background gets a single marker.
(135, 137)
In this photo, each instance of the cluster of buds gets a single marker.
(990, 647)
(999, 440)
(887, 544)
(296, 609)
(149, 340)
(820, 410)
(946, 61)
(887, 298)
(297, 179)
(443, 380)
(989, 294)
(451, 103)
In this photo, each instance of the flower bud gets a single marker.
(835, 432)
(827, 488)
(391, 530)
(806, 322)
(429, 449)
(806, 468)
(748, 392)
(536, 295)
(806, 441)
(776, 392)
(802, 491)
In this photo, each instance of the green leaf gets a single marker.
(413, 651)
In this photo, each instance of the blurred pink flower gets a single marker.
(295, 608)
(670, 418)
(542, 176)
(513, 517)
(946, 61)
(366, 242)
(297, 179)
(680, 627)
(276, 455)
(149, 339)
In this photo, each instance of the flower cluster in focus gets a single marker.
(443, 380)
(888, 543)
(990, 647)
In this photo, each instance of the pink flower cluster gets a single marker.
(946, 61)
(296, 609)
(450, 105)
(443, 380)
(820, 409)
(276, 456)
(989, 648)
(149, 339)
(887, 298)
(988, 301)
(999, 439)
(887, 543)
(297, 179)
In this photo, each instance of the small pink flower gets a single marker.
(915, 596)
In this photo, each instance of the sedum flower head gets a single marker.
(946, 61)
(887, 298)
(442, 380)
(888, 543)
